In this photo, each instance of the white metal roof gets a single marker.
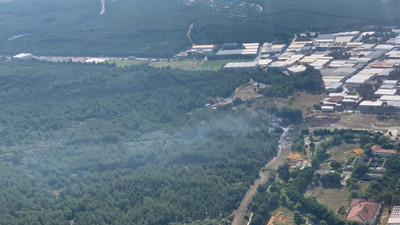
(241, 64)
(371, 103)
(386, 92)
(390, 98)
(384, 47)
(297, 69)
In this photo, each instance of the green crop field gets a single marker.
(124, 62)
(195, 65)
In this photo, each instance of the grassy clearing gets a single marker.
(124, 62)
(305, 102)
(332, 198)
(337, 152)
(195, 65)
(363, 186)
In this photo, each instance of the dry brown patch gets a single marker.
(295, 156)
(305, 102)
(278, 218)
(357, 151)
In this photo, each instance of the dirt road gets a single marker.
(283, 152)
(189, 33)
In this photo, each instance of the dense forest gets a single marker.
(97, 144)
(158, 28)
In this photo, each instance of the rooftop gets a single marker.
(203, 46)
(297, 69)
(390, 98)
(363, 211)
(371, 103)
(240, 65)
(395, 215)
(386, 92)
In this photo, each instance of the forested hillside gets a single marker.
(158, 28)
(96, 144)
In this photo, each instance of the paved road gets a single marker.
(283, 152)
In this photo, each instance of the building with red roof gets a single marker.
(378, 151)
(363, 212)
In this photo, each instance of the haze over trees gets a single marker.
(106, 145)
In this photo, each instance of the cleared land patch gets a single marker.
(288, 216)
(332, 198)
(338, 152)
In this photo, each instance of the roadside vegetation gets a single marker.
(321, 190)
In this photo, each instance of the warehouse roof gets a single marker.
(203, 46)
(381, 65)
(390, 98)
(359, 79)
(384, 47)
(395, 215)
(395, 54)
(386, 92)
(392, 82)
(230, 52)
(339, 71)
(264, 62)
(371, 103)
(250, 45)
(325, 38)
(344, 39)
(233, 65)
(297, 69)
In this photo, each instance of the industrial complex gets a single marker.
(348, 61)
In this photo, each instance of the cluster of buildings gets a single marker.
(364, 65)
(346, 63)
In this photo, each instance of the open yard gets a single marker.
(338, 152)
(332, 198)
(305, 102)
(351, 120)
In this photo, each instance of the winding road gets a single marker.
(283, 152)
